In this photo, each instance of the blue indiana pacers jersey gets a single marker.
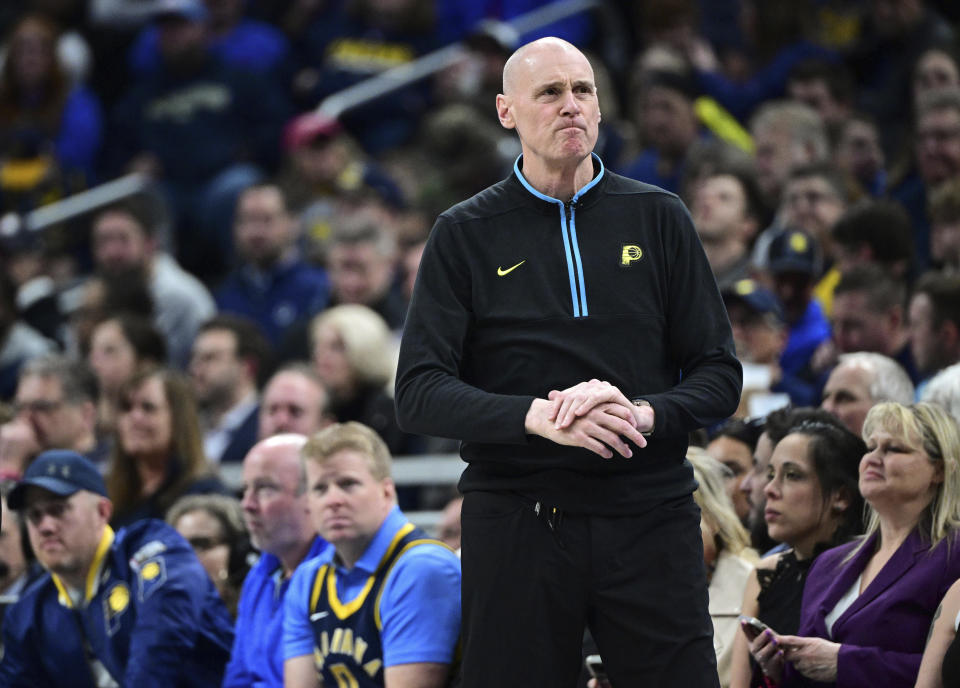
(348, 651)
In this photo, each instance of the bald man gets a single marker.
(277, 515)
(552, 316)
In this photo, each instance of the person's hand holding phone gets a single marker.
(765, 646)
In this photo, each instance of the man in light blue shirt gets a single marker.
(275, 510)
(382, 608)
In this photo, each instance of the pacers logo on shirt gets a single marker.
(629, 254)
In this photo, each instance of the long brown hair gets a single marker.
(49, 109)
(185, 455)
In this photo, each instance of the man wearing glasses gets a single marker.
(131, 608)
(56, 408)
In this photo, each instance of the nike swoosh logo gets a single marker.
(318, 615)
(502, 272)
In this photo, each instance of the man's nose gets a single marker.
(570, 104)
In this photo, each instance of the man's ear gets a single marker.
(389, 489)
(504, 112)
(105, 509)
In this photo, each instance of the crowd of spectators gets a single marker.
(260, 285)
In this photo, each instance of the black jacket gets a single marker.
(519, 294)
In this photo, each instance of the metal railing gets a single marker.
(435, 469)
(428, 65)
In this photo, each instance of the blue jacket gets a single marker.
(152, 617)
(275, 300)
(804, 338)
(257, 657)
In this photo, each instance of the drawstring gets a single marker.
(553, 517)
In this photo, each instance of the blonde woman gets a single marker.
(867, 606)
(355, 355)
(726, 553)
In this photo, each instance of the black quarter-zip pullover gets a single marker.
(519, 293)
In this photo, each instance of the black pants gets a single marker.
(532, 582)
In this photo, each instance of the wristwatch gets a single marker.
(644, 402)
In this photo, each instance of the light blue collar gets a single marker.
(550, 199)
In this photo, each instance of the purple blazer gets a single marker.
(883, 633)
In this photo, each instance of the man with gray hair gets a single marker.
(362, 266)
(56, 404)
(276, 514)
(944, 389)
(861, 380)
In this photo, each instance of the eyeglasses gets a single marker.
(35, 514)
(203, 544)
(37, 406)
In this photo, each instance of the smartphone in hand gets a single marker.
(752, 626)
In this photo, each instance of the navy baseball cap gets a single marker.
(60, 471)
(757, 298)
(792, 250)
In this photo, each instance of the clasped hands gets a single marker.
(594, 415)
(815, 658)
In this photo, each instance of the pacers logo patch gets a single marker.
(152, 575)
(630, 254)
(115, 603)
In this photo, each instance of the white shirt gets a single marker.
(843, 604)
(216, 440)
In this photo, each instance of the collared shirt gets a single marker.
(217, 439)
(419, 606)
(257, 657)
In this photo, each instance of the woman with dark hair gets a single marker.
(119, 347)
(158, 453)
(41, 112)
(868, 605)
(213, 525)
(812, 504)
